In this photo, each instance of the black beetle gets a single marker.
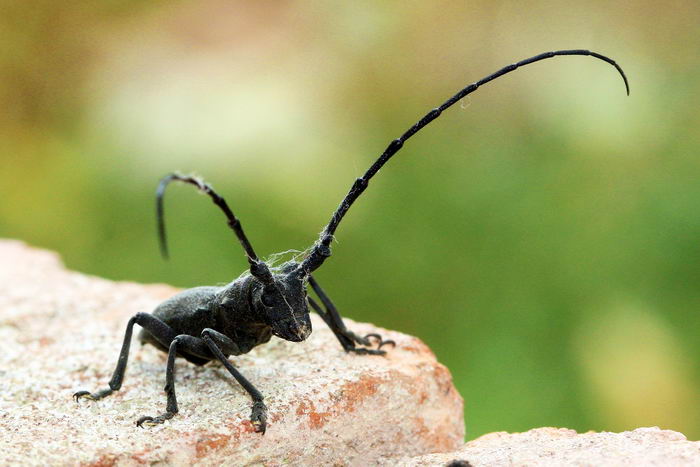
(211, 323)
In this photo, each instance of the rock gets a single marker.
(61, 331)
(560, 446)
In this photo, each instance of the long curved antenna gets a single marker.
(257, 267)
(321, 249)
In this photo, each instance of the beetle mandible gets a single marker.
(212, 323)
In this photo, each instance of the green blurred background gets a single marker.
(542, 236)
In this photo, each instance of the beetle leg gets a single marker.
(182, 343)
(347, 338)
(223, 342)
(216, 341)
(156, 327)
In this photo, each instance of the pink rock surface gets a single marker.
(560, 446)
(61, 331)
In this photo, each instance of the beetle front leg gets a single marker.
(218, 342)
(347, 338)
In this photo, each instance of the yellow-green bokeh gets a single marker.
(543, 237)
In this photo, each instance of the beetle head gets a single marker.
(282, 304)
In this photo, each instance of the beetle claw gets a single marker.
(387, 342)
(373, 336)
(80, 394)
(153, 421)
(93, 396)
(259, 417)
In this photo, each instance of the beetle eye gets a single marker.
(267, 299)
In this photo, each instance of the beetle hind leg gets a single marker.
(145, 320)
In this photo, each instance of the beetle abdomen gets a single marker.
(188, 312)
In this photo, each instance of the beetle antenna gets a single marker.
(321, 249)
(258, 268)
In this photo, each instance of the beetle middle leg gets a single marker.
(182, 343)
(348, 339)
(212, 344)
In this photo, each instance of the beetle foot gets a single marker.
(364, 351)
(153, 421)
(380, 342)
(94, 396)
(259, 417)
(369, 340)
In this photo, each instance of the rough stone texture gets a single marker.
(560, 446)
(61, 332)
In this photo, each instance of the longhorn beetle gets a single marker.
(212, 323)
